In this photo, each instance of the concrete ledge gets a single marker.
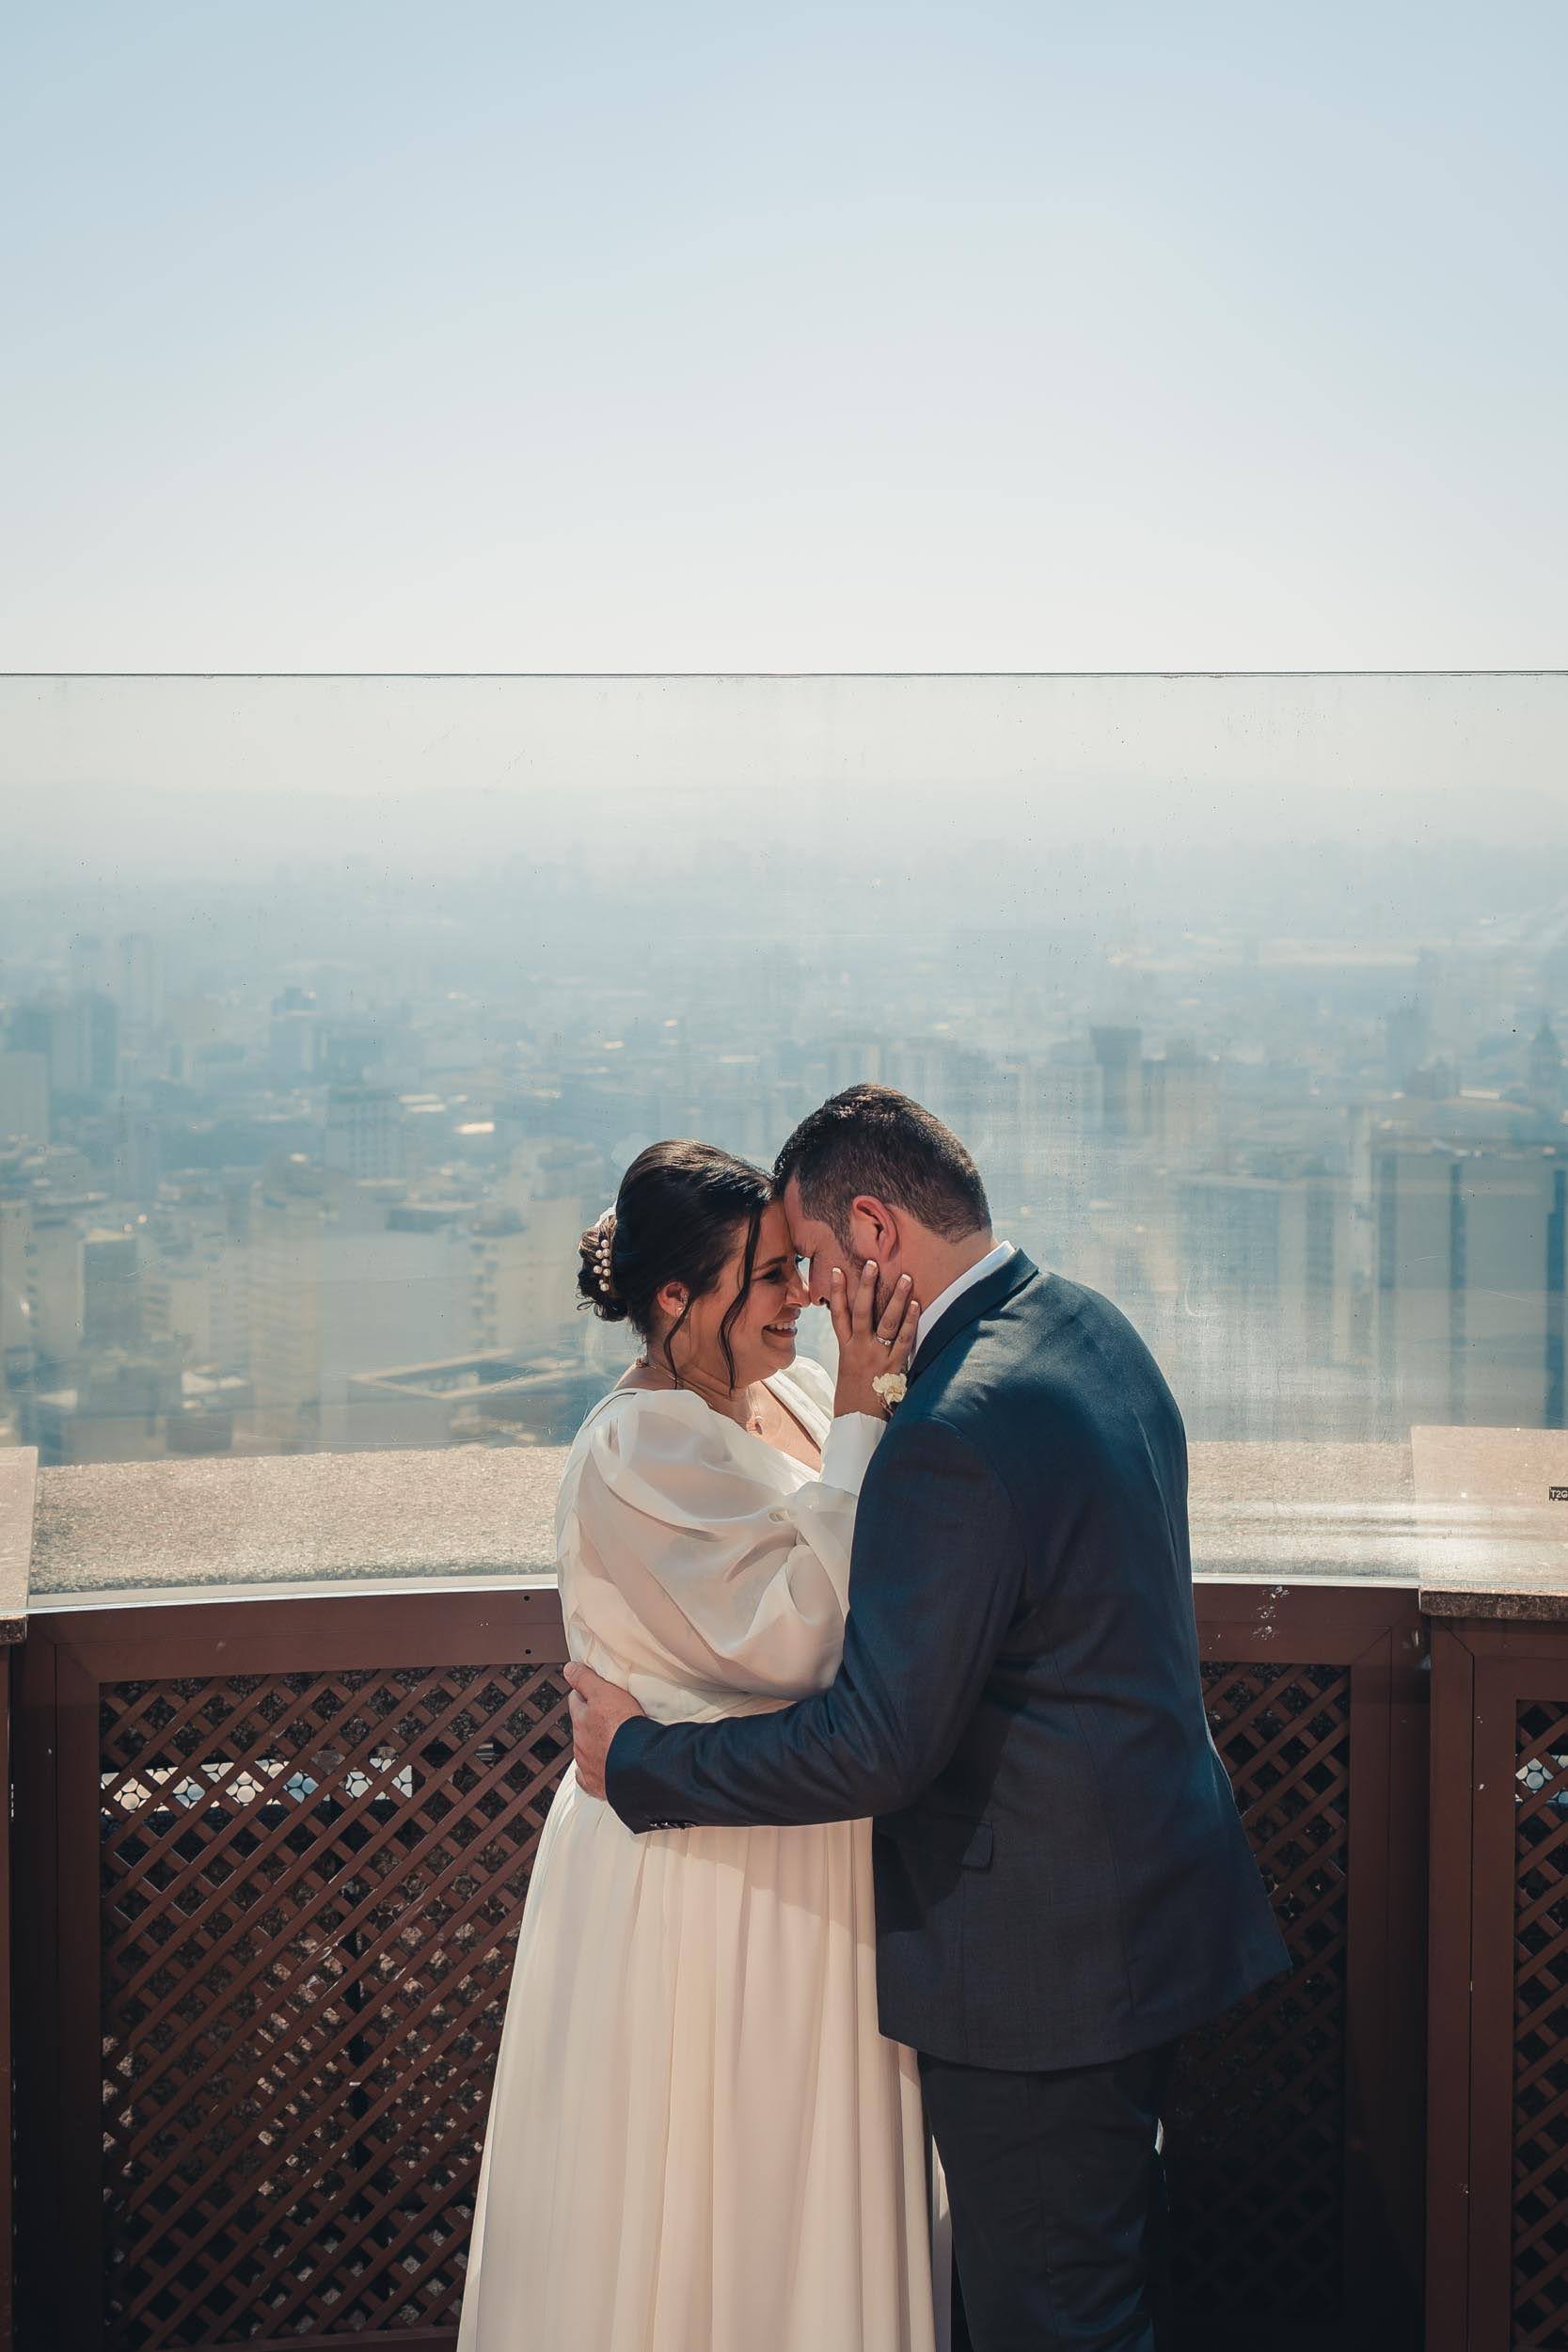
(1434, 1546)
(1496, 1608)
(242, 1527)
(290, 1519)
(18, 1486)
(1297, 1471)
(1523, 1599)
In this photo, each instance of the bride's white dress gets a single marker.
(699, 2141)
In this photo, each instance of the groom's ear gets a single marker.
(874, 1227)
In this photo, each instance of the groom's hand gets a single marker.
(598, 1710)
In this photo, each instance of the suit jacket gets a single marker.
(1061, 1874)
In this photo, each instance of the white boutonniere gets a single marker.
(892, 1387)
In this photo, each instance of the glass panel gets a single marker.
(331, 1010)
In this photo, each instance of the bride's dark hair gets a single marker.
(675, 1219)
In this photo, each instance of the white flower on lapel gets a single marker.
(892, 1387)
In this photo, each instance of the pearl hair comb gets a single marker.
(604, 1244)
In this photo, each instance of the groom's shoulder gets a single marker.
(1049, 1343)
(1073, 1308)
(1012, 1351)
(1024, 1333)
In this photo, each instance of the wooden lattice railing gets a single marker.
(282, 1848)
(310, 1885)
(1539, 2246)
(1261, 2186)
(1500, 1981)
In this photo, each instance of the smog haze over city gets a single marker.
(333, 1008)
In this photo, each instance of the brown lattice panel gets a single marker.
(312, 1885)
(1541, 2027)
(1255, 2135)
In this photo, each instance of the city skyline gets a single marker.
(331, 1011)
(269, 1191)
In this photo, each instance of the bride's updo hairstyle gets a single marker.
(677, 1216)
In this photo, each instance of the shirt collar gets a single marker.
(977, 1273)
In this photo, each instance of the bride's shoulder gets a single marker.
(629, 1402)
(648, 1459)
(634, 1421)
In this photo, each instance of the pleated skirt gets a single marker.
(698, 2139)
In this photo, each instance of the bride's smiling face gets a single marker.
(762, 1337)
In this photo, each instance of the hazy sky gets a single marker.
(975, 336)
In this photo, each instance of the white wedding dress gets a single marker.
(698, 2140)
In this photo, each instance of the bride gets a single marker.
(698, 2139)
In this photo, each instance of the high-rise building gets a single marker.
(525, 1270)
(1407, 1040)
(111, 1294)
(335, 1290)
(1119, 1052)
(1545, 1070)
(198, 1299)
(1469, 1297)
(78, 1037)
(1036, 1146)
(1182, 1090)
(293, 1039)
(364, 1131)
(1262, 1265)
(24, 1097)
(91, 965)
(140, 981)
(53, 1253)
(137, 1152)
(16, 1315)
(1511, 1210)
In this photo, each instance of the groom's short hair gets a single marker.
(874, 1139)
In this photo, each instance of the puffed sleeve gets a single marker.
(738, 1584)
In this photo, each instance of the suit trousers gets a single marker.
(1057, 2189)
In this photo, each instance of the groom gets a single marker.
(1063, 1885)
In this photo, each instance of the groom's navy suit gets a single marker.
(1063, 1885)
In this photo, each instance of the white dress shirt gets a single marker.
(977, 1273)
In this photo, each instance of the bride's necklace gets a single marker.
(753, 1422)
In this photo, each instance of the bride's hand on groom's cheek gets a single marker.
(871, 1344)
(598, 1709)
